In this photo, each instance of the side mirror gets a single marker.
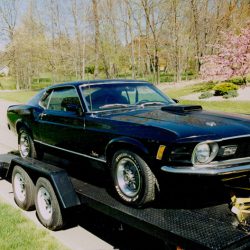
(175, 100)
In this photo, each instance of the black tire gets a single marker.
(26, 145)
(47, 206)
(23, 189)
(133, 180)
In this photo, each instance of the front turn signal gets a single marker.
(160, 152)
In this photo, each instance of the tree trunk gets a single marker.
(97, 37)
(196, 33)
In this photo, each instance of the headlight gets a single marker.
(204, 152)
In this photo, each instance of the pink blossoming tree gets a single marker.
(232, 59)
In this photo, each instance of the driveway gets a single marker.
(8, 140)
(73, 238)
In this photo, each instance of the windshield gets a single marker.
(122, 95)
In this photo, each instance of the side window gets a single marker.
(45, 99)
(62, 99)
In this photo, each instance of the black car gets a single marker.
(138, 133)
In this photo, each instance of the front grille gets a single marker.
(180, 156)
(243, 148)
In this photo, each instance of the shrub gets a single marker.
(223, 88)
(248, 78)
(238, 80)
(90, 69)
(206, 95)
(205, 87)
(230, 94)
(41, 80)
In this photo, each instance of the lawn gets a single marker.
(17, 232)
(17, 96)
(242, 107)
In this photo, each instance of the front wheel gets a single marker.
(133, 180)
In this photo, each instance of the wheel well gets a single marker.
(124, 146)
(20, 125)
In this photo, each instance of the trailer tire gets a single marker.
(133, 180)
(47, 205)
(23, 189)
(26, 146)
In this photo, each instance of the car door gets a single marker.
(61, 124)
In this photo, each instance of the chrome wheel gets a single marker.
(128, 177)
(24, 145)
(44, 203)
(19, 187)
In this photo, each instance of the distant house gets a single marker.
(4, 70)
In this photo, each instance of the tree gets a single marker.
(129, 24)
(155, 19)
(97, 36)
(80, 46)
(232, 59)
(29, 44)
(8, 20)
(113, 37)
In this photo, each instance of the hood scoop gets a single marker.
(182, 108)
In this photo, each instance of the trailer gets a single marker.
(55, 194)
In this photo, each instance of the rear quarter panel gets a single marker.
(22, 115)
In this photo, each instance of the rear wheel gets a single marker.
(23, 188)
(26, 145)
(133, 180)
(47, 205)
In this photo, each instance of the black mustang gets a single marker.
(139, 134)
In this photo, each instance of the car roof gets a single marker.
(93, 82)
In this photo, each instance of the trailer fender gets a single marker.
(58, 178)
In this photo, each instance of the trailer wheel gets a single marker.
(47, 205)
(23, 188)
(26, 145)
(133, 180)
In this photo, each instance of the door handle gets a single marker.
(42, 115)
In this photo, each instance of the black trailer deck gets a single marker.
(206, 228)
(199, 228)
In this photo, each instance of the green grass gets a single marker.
(196, 88)
(17, 96)
(7, 83)
(17, 232)
(242, 107)
(45, 79)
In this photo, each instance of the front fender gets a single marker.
(22, 123)
(125, 143)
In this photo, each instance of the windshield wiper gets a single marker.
(152, 103)
(114, 105)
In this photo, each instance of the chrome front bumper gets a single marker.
(234, 166)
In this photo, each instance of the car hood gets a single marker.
(189, 125)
